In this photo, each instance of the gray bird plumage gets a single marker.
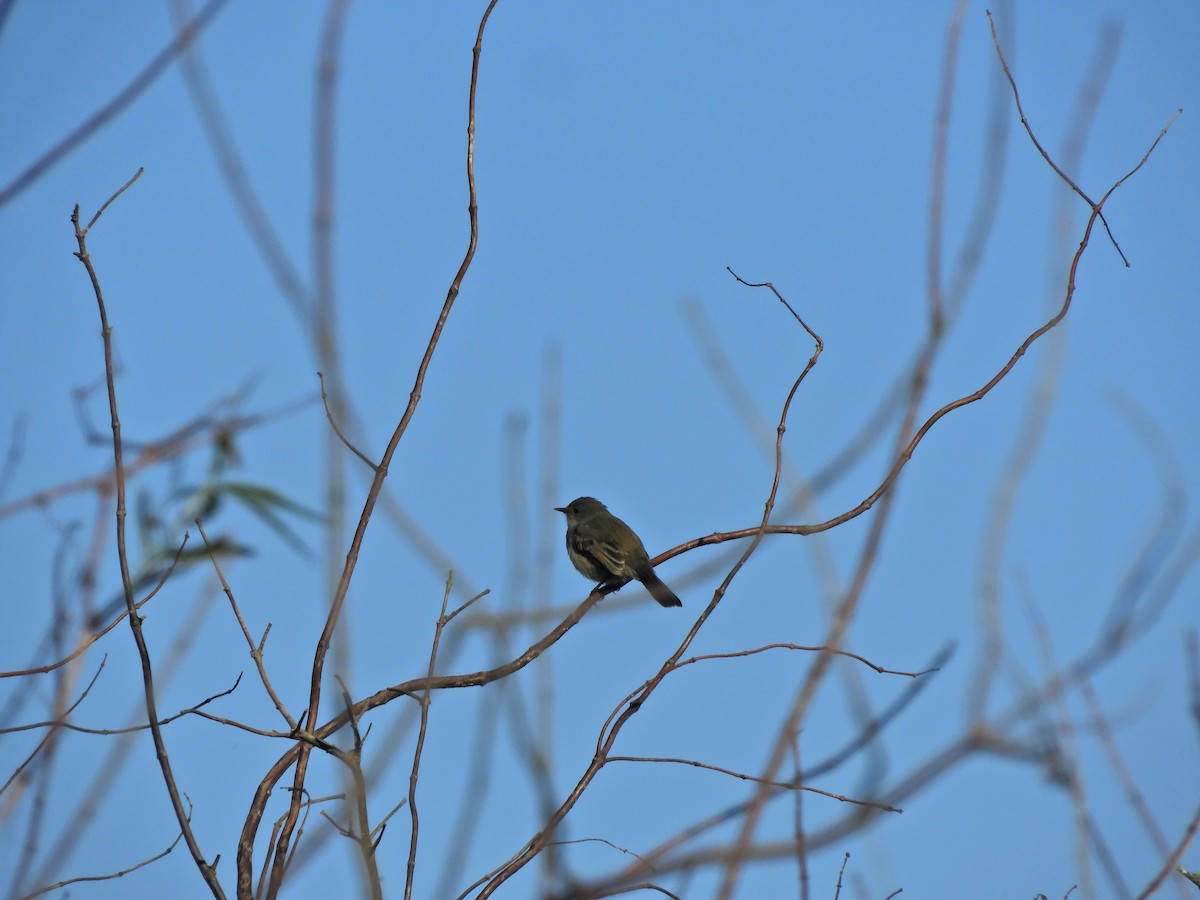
(605, 549)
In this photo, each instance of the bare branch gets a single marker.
(782, 785)
(245, 848)
(256, 652)
(207, 870)
(126, 96)
(416, 763)
(334, 425)
(111, 875)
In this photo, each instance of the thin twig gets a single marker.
(611, 728)
(96, 635)
(411, 869)
(58, 723)
(813, 649)
(256, 652)
(246, 844)
(1133, 794)
(837, 892)
(109, 876)
(338, 431)
(1039, 404)
(468, 603)
(233, 170)
(411, 688)
(1193, 667)
(132, 729)
(1172, 861)
(782, 785)
(182, 816)
(906, 454)
(124, 97)
(937, 190)
(204, 429)
(362, 832)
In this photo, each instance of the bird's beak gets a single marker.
(561, 509)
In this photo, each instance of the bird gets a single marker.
(606, 550)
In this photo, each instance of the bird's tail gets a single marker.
(659, 591)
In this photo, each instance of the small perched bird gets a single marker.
(605, 549)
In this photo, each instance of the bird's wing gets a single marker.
(606, 554)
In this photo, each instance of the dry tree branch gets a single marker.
(256, 652)
(649, 861)
(96, 635)
(307, 805)
(362, 833)
(817, 649)
(103, 777)
(1041, 396)
(207, 871)
(246, 843)
(1172, 861)
(906, 454)
(1062, 752)
(324, 325)
(410, 870)
(837, 891)
(437, 560)
(611, 728)
(937, 190)
(842, 615)
(1042, 150)
(237, 181)
(299, 296)
(918, 382)
(111, 875)
(1134, 796)
(782, 785)
(982, 737)
(58, 723)
(202, 430)
(61, 722)
(411, 688)
(125, 96)
(966, 745)
(1193, 667)
(469, 602)
(336, 430)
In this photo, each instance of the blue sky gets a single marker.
(626, 154)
